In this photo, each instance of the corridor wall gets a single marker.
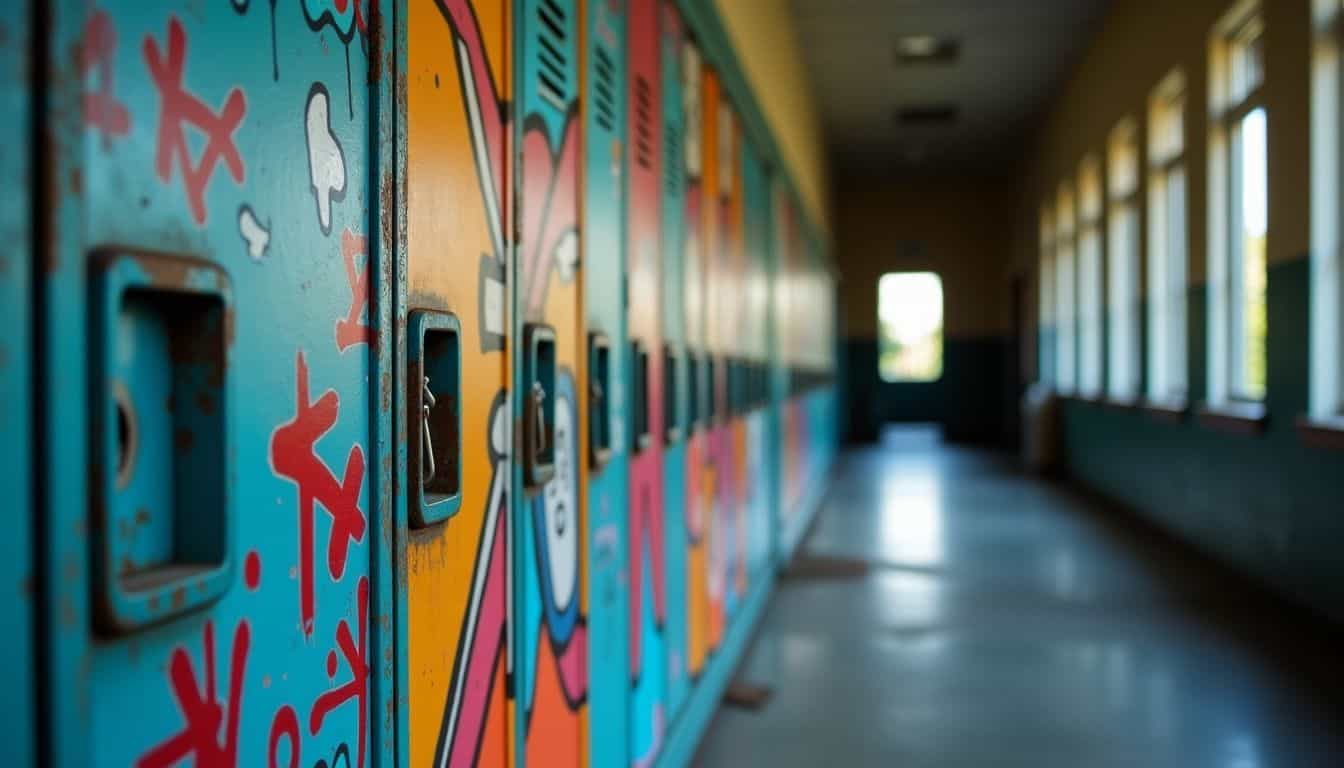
(1259, 493)
(435, 384)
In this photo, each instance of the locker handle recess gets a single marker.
(639, 395)
(693, 391)
(599, 398)
(671, 425)
(539, 403)
(161, 455)
(434, 400)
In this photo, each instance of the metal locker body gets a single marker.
(699, 155)
(604, 301)
(550, 633)
(456, 607)
(728, 442)
(675, 241)
(17, 577)
(648, 715)
(213, 254)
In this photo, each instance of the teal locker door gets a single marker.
(674, 244)
(607, 454)
(16, 395)
(212, 439)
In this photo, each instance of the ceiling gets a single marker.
(1013, 55)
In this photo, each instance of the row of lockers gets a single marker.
(393, 382)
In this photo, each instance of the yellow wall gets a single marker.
(959, 224)
(770, 51)
(1138, 43)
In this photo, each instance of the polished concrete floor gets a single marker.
(995, 620)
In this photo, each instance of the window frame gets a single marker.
(1090, 291)
(1231, 101)
(1326, 378)
(1045, 355)
(1066, 292)
(1167, 281)
(1124, 357)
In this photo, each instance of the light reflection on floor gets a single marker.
(1008, 623)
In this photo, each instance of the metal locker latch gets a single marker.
(435, 361)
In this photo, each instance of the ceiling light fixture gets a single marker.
(926, 49)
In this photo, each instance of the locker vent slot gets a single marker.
(552, 55)
(643, 123)
(604, 93)
(672, 159)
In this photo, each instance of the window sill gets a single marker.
(1235, 418)
(1086, 399)
(1166, 411)
(1122, 403)
(1326, 434)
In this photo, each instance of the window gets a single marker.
(1090, 302)
(910, 313)
(1167, 330)
(1327, 222)
(1122, 262)
(1066, 371)
(1238, 220)
(1046, 313)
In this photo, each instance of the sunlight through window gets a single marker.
(910, 319)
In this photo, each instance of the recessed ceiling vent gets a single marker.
(927, 115)
(927, 49)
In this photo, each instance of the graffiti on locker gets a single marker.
(256, 677)
(344, 17)
(647, 553)
(256, 236)
(486, 112)
(553, 685)
(326, 161)
(180, 108)
(240, 7)
(551, 230)
(555, 640)
(477, 694)
(293, 456)
(356, 657)
(102, 110)
(476, 703)
(353, 329)
(201, 710)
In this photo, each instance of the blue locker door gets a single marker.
(16, 360)
(212, 437)
(604, 312)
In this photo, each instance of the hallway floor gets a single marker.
(997, 621)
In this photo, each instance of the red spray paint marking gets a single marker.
(349, 329)
(199, 737)
(357, 659)
(178, 107)
(101, 109)
(252, 571)
(293, 457)
(285, 725)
